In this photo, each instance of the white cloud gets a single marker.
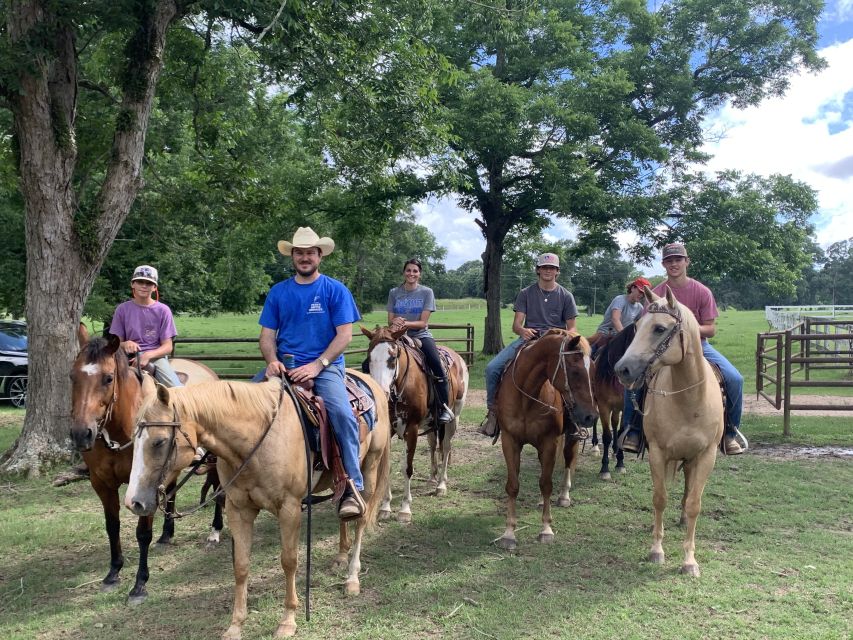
(788, 135)
(808, 133)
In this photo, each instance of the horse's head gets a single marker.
(654, 345)
(95, 379)
(163, 446)
(382, 353)
(568, 367)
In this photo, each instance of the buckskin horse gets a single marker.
(105, 396)
(547, 380)
(395, 367)
(254, 429)
(683, 413)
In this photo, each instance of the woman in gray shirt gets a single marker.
(409, 307)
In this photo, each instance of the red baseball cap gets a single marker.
(640, 283)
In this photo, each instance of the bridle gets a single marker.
(568, 396)
(176, 427)
(100, 431)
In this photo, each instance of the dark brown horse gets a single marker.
(609, 398)
(105, 396)
(393, 366)
(547, 381)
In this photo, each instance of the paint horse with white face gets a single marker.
(394, 366)
(543, 389)
(105, 396)
(683, 412)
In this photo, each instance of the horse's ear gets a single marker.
(396, 333)
(573, 343)
(366, 331)
(82, 335)
(670, 298)
(647, 292)
(113, 344)
(163, 394)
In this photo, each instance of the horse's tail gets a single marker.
(383, 473)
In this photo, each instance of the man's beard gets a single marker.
(306, 271)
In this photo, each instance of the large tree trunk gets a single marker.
(60, 273)
(492, 267)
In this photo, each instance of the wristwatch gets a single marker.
(325, 362)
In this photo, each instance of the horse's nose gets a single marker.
(137, 505)
(82, 437)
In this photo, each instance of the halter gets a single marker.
(100, 431)
(673, 312)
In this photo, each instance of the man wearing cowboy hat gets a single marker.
(310, 317)
(698, 298)
(543, 305)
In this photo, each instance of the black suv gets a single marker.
(13, 362)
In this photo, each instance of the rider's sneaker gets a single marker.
(629, 441)
(351, 506)
(489, 426)
(734, 443)
(446, 415)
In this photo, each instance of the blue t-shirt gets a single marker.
(306, 316)
(410, 305)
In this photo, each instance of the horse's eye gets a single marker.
(659, 329)
(108, 379)
(159, 442)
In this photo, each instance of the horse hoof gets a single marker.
(605, 475)
(353, 587)
(595, 451)
(384, 515)
(690, 570)
(285, 630)
(441, 491)
(108, 587)
(546, 538)
(340, 562)
(233, 633)
(656, 557)
(509, 544)
(621, 470)
(404, 517)
(163, 542)
(137, 599)
(564, 502)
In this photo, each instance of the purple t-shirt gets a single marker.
(695, 296)
(147, 326)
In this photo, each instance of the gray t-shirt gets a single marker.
(410, 305)
(546, 309)
(630, 311)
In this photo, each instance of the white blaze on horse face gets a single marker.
(381, 365)
(587, 362)
(137, 468)
(91, 369)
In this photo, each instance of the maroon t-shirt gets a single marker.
(695, 296)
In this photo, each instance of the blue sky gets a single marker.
(808, 133)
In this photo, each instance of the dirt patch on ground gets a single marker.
(751, 404)
(794, 452)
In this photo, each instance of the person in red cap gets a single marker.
(623, 310)
(543, 305)
(698, 298)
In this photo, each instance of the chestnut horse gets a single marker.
(394, 367)
(105, 395)
(547, 380)
(683, 413)
(609, 398)
(254, 428)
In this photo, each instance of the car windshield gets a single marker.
(13, 337)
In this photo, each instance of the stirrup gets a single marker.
(620, 441)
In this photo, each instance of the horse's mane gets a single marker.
(222, 399)
(610, 353)
(95, 350)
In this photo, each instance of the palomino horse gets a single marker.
(405, 383)
(683, 419)
(254, 428)
(548, 379)
(105, 396)
(609, 398)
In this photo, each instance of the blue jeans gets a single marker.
(164, 373)
(732, 381)
(329, 385)
(495, 368)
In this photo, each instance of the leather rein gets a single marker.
(568, 396)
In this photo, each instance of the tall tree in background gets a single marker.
(575, 109)
(80, 80)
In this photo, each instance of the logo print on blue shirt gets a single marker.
(316, 306)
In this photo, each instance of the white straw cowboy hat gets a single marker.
(305, 238)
